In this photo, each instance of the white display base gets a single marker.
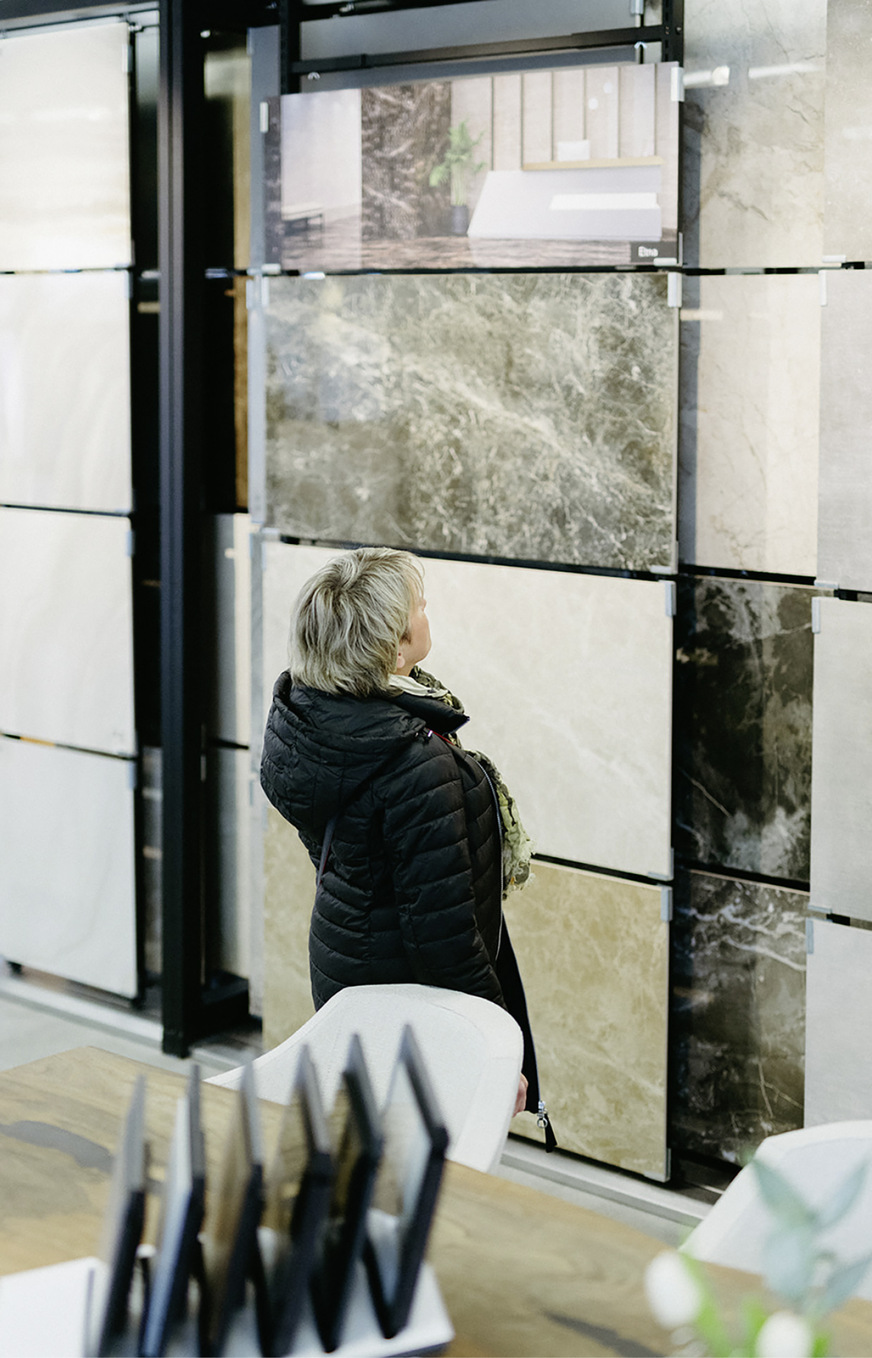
(43, 1312)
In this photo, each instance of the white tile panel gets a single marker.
(841, 760)
(64, 149)
(65, 390)
(66, 634)
(568, 680)
(67, 900)
(838, 1055)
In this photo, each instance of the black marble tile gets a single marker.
(520, 416)
(743, 705)
(737, 1030)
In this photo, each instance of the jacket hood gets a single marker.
(320, 747)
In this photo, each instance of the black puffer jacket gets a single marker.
(412, 888)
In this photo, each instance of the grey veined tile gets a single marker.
(65, 390)
(847, 171)
(753, 165)
(748, 441)
(593, 952)
(522, 416)
(64, 149)
(841, 785)
(838, 1057)
(744, 725)
(845, 477)
(67, 864)
(66, 629)
(738, 1014)
(567, 679)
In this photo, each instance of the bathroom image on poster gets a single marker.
(570, 167)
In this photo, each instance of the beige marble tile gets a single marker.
(838, 1057)
(594, 955)
(568, 682)
(64, 149)
(289, 892)
(847, 163)
(507, 130)
(537, 97)
(748, 433)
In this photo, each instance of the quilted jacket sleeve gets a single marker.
(425, 826)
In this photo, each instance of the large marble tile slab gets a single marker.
(743, 725)
(847, 172)
(593, 952)
(841, 781)
(738, 1014)
(229, 566)
(845, 479)
(748, 430)
(566, 167)
(67, 865)
(66, 633)
(65, 390)
(753, 163)
(289, 893)
(838, 1057)
(522, 416)
(64, 149)
(567, 679)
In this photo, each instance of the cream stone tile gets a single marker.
(753, 164)
(841, 761)
(838, 1057)
(748, 433)
(289, 893)
(594, 956)
(66, 634)
(64, 149)
(67, 864)
(845, 489)
(568, 680)
(65, 390)
(847, 168)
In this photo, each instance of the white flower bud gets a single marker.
(673, 1293)
(785, 1335)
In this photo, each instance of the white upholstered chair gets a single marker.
(472, 1050)
(816, 1160)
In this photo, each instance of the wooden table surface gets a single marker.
(521, 1273)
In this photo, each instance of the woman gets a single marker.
(412, 835)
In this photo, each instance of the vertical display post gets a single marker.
(181, 284)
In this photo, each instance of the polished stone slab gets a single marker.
(838, 1058)
(743, 725)
(66, 633)
(738, 1014)
(567, 679)
(841, 782)
(753, 163)
(748, 428)
(65, 390)
(845, 482)
(593, 952)
(521, 416)
(67, 866)
(848, 130)
(229, 782)
(64, 149)
(289, 893)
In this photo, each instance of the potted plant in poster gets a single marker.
(457, 167)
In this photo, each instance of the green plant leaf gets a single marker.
(781, 1197)
(754, 1315)
(843, 1198)
(842, 1284)
(821, 1346)
(789, 1257)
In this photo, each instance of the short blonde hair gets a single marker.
(349, 620)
